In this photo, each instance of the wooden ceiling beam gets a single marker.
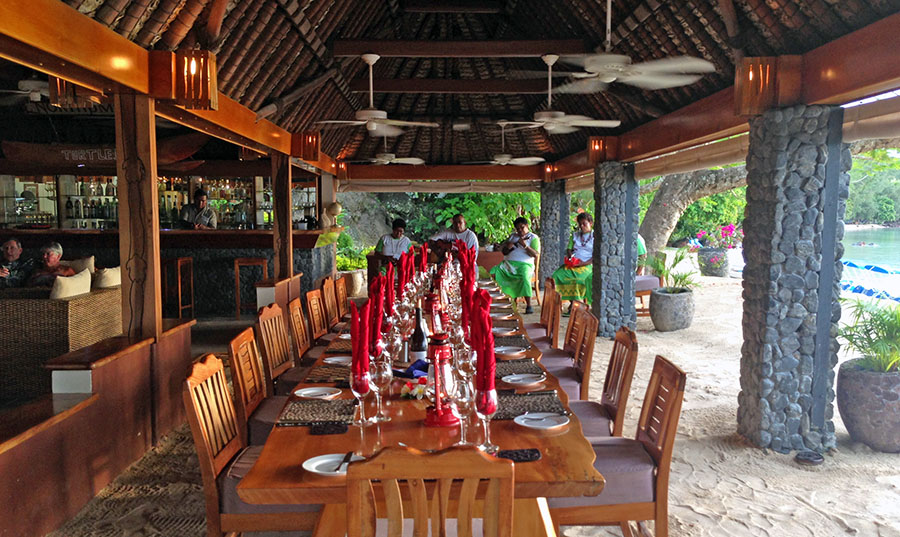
(458, 49)
(446, 85)
(490, 7)
(367, 172)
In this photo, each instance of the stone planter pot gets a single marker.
(869, 403)
(713, 261)
(671, 311)
(356, 282)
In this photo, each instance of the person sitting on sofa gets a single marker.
(13, 269)
(51, 268)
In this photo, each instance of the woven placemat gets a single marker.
(298, 413)
(511, 341)
(511, 405)
(339, 345)
(505, 323)
(328, 373)
(518, 367)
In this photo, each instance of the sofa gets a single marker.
(37, 328)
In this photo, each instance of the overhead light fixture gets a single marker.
(65, 94)
(762, 83)
(187, 78)
(305, 145)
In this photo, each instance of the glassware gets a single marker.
(382, 375)
(465, 402)
(485, 407)
(359, 385)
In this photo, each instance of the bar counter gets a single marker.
(212, 252)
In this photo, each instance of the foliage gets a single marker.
(723, 237)
(582, 202)
(675, 282)
(874, 333)
(718, 209)
(348, 256)
(874, 187)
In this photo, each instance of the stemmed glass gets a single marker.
(465, 401)
(359, 385)
(382, 375)
(485, 407)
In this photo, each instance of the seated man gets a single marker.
(46, 274)
(574, 279)
(445, 240)
(13, 269)
(514, 274)
(392, 245)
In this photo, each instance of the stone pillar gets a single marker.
(554, 227)
(797, 186)
(615, 246)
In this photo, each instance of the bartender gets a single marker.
(198, 215)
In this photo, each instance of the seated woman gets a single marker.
(514, 274)
(392, 245)
(573, 280)
(46, 274)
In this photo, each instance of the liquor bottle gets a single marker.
(79, 212)
(106, 211)
(106, 191)
(69, 208)
(83, 188)
(418, 342)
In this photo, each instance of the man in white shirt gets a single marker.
(456, 232)
(392, 245)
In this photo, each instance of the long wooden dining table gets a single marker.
(565, 468)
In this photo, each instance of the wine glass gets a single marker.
(382, 375)
(359, 385)
(465, 402)
(485, 407)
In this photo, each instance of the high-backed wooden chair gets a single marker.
(401, 474)
(636, 471)
(343, 302)
(280, 367)
(606, 418)
(256, 409)
(576, 319)
(303, 344)
(574, 375)
(224, 460)
(545, 334)
(317, 321)
(332, 313)
(549, 287)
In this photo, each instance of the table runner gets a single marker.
(511, 341)
(328, 373)
(512, 405)
(505, 323)
(299, 413)
(339, 345)
(518, 367)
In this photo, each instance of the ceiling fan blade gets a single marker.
(597, 123)
(481, 162)
(585, 85)
(388, 131)
(341, 122)
(659, 81)
(526, 161)
(676, 64)
(408, 160)
(401, 123)
(526, 74)
(555, 128)
(522, 125)
(603, 63)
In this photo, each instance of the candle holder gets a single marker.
(443, 413)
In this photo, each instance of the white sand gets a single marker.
(720, 484)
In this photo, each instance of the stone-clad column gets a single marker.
(615, 246)
(554, 228)
(797, 186)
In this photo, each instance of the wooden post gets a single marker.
(138, 215)
(281, 198)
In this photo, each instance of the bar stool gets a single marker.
(246, 262)
(184, 272)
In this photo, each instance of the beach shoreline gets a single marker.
(863, 227)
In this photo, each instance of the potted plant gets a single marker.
(868, 387)
(671, 306)
(712, 255)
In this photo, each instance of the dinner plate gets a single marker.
(509, 350)
(504, 331)
(501, 315)
(329, 464)
(345, 336)
(338, 360)
(524, 379)
(323, 392)
(542, 420)
(501, 306)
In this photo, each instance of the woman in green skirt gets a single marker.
(514, 274)
(573, 280)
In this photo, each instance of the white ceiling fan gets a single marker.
(30, 89)
(376, 121)
(504, 158)
(390, 158)
(602, 69)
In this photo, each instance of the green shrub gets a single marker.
(348, 256)
(874, 333)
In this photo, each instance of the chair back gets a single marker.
(659, 417)
(430, 485)
(214, 426)
(549, 288)
(619, 374)
(332, 317)
(340, 290)
(299, 329)
(316, 309)
(274, 343)
(247, 376)
(573, 331)
(554, 306)
(584, 352)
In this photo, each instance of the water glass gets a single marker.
(485, 408)
(465, 403)
(359, 385)
(382, 376)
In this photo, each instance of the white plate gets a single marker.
(338, 360)
(323, 392)
(500, 315)
(501, 306)
(541, 420)
(345, 336)
(509, 349)
(328, 464)
(524, 379)
(504, 330)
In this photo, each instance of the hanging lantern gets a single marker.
(195, 79)
(305, 145)
(762, 83)
(602, 149)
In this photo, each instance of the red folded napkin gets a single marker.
(423, 263)
(483, 341)
(376, 313)
(389, 290)
(401, 271)
(359, 334)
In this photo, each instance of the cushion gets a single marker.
(227, 482)
(556, 354)
(645, 283)
(595, 422)
(66, 286)
(628, 470)
(108, 277)
(80, 264)
(568, 381)
(287, 381)
(264, 418)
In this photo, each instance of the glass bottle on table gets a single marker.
(418, 341)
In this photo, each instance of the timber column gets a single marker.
(283, 229)
(615, 246)
(554, 226)
(797, 187)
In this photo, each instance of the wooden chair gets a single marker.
(644, 286)
(570, 343)
(303, 346)
(606, 418)
(343, 302)
(280, 367)
(574, 371)
(636, 471)
(401, 474)
(545, 334)
(549, 287)
(225, 459)
(256, 410)
(332, 311)
(317, 321)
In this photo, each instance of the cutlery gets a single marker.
(345, 460)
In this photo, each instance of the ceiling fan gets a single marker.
(504, 158)
(376, 121)
(558, 122)
(30, 89)
(602, 69)
(389, 158)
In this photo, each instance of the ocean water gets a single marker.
(882, 247)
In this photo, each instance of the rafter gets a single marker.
(452, 6)
(457, 49)
(446, 85)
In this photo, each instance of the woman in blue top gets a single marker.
(573, 281)
(514, 274)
